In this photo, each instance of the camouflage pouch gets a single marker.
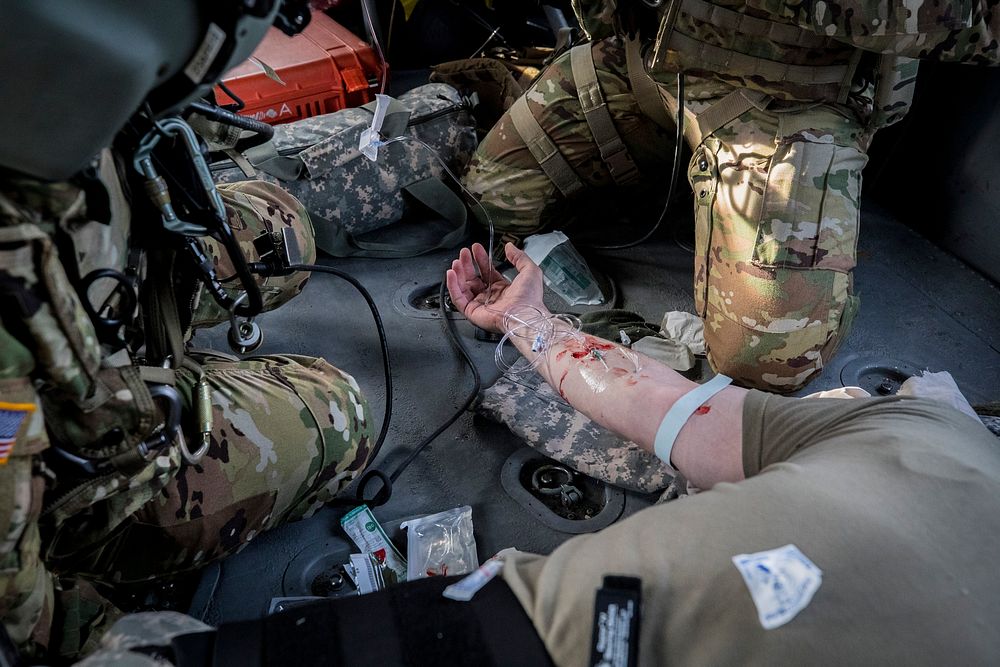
(347, 195)
(534, 412)
(491, 80)
(98, 412)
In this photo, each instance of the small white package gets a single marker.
(441, 544)
(465, 589)
(782, 581)
(939, 386)
(367, 533)
(565, 272)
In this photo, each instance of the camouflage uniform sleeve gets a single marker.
(951, 30)
(26, 592)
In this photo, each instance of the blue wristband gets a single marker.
(680, 412)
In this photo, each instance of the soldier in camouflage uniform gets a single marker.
(288, 432)
(781, 104)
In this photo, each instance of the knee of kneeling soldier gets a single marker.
(779, 340)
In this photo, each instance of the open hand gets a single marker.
(484, 296)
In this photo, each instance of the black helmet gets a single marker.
(72, 72)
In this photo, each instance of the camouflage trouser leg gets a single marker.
(289, 433)
(26, 587)
(254, 208)
(776, 213)
(512, 187)
(776, 200)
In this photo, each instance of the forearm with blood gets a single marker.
(616, 387)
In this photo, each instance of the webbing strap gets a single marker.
(164, 335)
(284, 167)
(727, 60)
(680, 412)
(543, 150)
(595, 111)
(743, 24)
(647, 93)
(158, 375)
(728, 109)
(334, 240)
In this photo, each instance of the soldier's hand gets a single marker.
(484, 295)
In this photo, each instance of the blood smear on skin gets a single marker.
(703, 410)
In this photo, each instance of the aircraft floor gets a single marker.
(921, 308)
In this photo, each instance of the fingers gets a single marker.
(519, 259)
(467, 265)
(461, 295)
(486, 269)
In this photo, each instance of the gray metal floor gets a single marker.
(921, 308)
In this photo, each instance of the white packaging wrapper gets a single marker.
(939, 386)
(465, 589)
(685, 328)
(441, 544)
(565, 272)
(366, 532)
(781, 582)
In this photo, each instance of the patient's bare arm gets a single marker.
(625, 392)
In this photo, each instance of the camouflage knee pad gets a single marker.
(776, 214)
(289, 433)
(512, 186)
(253, 208)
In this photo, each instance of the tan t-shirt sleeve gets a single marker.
(777, 427)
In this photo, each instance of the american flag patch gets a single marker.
(11, 417)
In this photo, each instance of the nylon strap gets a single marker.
(728, 109)
(284, 167)
(595, 111)
(743, 24)
(157, 375)
(680, 412)
(334, 240)
(164, 335)
(727, 60)
(647, 93)
(543, 150)
(240, 161)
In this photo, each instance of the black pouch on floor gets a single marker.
(411, 624)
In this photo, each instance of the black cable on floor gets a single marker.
(383, 494)
(678, 146)
(386, 364)
(449, 326)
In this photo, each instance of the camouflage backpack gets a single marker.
(348, 196)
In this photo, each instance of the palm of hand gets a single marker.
(484, 296)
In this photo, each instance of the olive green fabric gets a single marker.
(896, 500)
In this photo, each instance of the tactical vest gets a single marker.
(722, 40)
(734, 42)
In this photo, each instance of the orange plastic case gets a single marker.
(325, 68)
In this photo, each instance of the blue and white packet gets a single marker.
(781, 581)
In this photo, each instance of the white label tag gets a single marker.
(466, 588)
(203, 58)
(781, 582)
(367, 576)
